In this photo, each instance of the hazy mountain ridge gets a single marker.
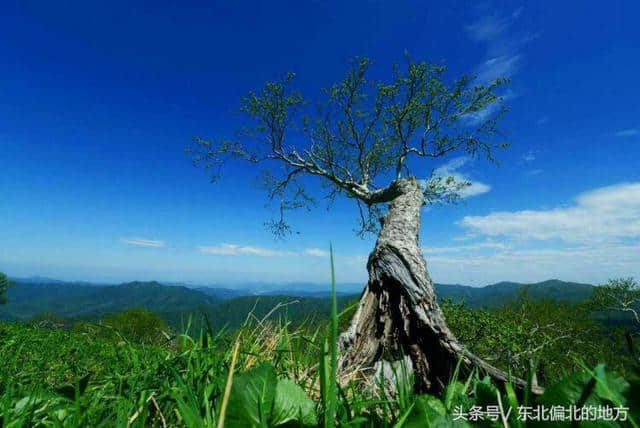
(227, 305)
(502, 292)
(68, 300)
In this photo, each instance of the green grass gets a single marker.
(283, 375)
(58, 378)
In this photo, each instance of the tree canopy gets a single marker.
(620, 294)
(363, 136)
(4, 286)
(139, 325)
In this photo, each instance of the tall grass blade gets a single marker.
(332, 395)
(227, 388)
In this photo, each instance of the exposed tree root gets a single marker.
(398, 317)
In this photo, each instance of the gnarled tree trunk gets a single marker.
(398, 317)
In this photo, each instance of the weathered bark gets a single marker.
(398, 317)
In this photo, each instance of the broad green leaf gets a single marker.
(511, 400)
(252, 397)
(67, 391)
(291, 404)
(83, 383)
(633, 393)
(189, 415)
(598, 388)
(610, 386)
(455, 394)
(604, 387)
(485, 393)
(429, 411)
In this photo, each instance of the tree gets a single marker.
(5, 283)
(557, 337)
(621, 295)
(139, 325)
(371, 142)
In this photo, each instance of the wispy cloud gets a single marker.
(480, 116)
(464, 248)
(503, 44)
(488, 28)
(503, 57)
(452, 169)
(499, 66)
(316, 252)
(631, 132)
(243, 250)
(607, 214)
(142, 242)
(533, 172)
(586, 263)
(530, 156)
(252, 250)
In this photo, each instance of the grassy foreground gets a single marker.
(278, 377)
(268, 374)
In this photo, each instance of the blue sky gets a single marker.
(98, 101)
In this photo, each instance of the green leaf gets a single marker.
(455, 395)
(588, 388)
(189, 414)
(604, 386)
(511, 400)
(485, 393)
(83, 383)
(291, 404)
(332, 393)
(252, 397)
(609, 385)
(67, 391)
(633, 393)
(429, 411)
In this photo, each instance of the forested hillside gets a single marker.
(226, 306)
(68, 300)
(504, 292)
(179, 306)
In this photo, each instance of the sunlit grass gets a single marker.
(52, 377)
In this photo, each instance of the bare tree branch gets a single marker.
(362, 136)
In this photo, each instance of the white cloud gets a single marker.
(316, 252)
(589, 263)
(464, 248)
(488, 28)
(450, 169)
(533, 172)
(631, 132)
(243, 250)
(530, 156)
(607, 214)
(480, 116)
(476, 188)
(502, 58)
(142, 242)
(251, 250)
(594, 237)
(498, 66)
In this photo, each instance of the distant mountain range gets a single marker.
(227, 306)
(70, 300)
(504, 292)
(225, 292)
